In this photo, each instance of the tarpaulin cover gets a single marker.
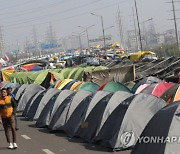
(6, 74)
(122, 74)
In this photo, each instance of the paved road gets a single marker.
(32, 140)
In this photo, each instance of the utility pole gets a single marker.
(145, 34)
(152, 32)
(51, 38)
(121, 35)
(35, 42)
(87, 34)
(26, 48)
(79, 36)
(175, 22)
(17, 51)
(135, 29)
(102, 24)
(140, 38)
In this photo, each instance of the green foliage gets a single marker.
(167, 51)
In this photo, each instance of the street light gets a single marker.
(102, 27)
(79, 35)
(86, 29)
(109, 27)
(144, 34)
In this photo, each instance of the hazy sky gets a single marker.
(17, 17)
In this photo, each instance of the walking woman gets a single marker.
(7, 106)
(13, 99)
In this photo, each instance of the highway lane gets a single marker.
(33, 140)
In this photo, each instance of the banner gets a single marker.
(100, 39)
(49, 46)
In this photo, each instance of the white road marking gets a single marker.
(26, 137)
(62, 150)
(48, 151)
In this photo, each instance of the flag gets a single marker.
(5, 58)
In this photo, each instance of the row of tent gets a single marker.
(40, 76)
(169, 92)
(92, 116)
(151, 85)
(75, 85)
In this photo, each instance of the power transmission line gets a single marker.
(60, 12)
(14, 26)
(120, 28)
(135, 29)
(21, 13)
(25, 3)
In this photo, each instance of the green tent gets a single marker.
(41, 77)
(64, 73)
(89, 86)
(57, 76)
(12, 77)
(115, 86)
(79, 74)
(89, 69)
(24, 76)
(18, 77)
(32, 76)
(100, 68)
(55, 70)
(76, 74)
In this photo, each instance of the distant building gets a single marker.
(170, 37)
(160, 39)
(132, 40)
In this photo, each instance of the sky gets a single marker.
(18, 17)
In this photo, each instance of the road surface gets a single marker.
(33, 140)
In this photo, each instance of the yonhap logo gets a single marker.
(128, 139)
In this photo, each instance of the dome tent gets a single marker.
(93, 115)
(115, 86)
(49, 96)
(147, 80)
(63, 115)
(89, 86)
(51, 107)
(140, 111)
(29, 92)
(165, 124)
(157, 89)
(172, 94)
(35, 99)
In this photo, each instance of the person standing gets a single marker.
(6, 111)
(177, 74)
(9, 93)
